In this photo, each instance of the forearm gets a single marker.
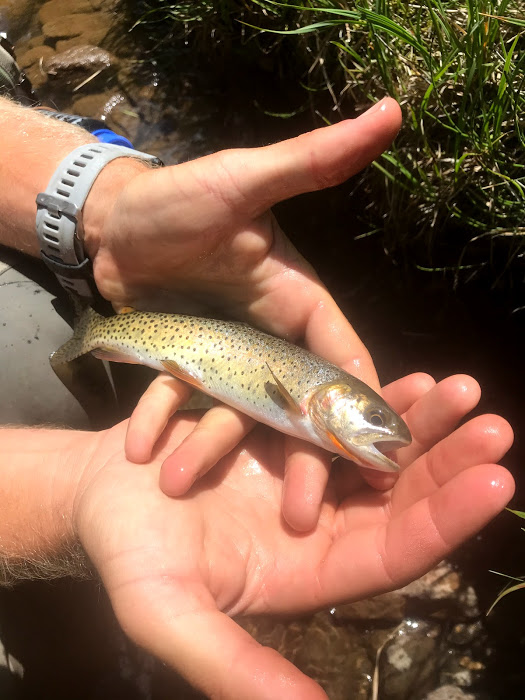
(32, 146)
(40, 470)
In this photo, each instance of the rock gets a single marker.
(409, 662)
(16, 16)
(449, 692)
(32, 56)
(461, 671)
(469, 602)
(93, 28)
(442, 583)
(31, 63)
(78, 64)
(113, 108)
(54, 9)
(465, 633)
(33, 42)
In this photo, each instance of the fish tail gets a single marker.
(78, 345)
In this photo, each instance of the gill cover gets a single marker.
(353, 418)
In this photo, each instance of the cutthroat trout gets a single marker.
(267, 378)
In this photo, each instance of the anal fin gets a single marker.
(112, 355)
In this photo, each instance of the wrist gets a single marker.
(39, 481)
(102, 198)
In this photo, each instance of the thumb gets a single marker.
(312, 161)
(212, 652)
(241, 184)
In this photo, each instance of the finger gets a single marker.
(162, 398)
(437, 413)
(434, 526)
(217, 433)
(484, 439)
(307, 469)
(216, 655)
(413, 541)
(404, 392)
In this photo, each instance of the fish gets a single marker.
(264, 376)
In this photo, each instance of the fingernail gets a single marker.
(379, 106)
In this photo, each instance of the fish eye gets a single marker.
(375, 417)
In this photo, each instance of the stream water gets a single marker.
(409, 320)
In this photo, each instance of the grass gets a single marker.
(511, 587)
(451, 192)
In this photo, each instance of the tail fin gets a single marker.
(84, 376)
(77, 345)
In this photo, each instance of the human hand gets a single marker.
(203, 230)
(177, 569)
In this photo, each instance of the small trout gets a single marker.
(267, 378)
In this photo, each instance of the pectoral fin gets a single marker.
(173, 368)
(289, 400)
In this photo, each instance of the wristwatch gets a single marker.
(59, 211)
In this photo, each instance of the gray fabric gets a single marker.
(9, 73)
(30, 329)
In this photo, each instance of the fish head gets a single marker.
(354, 418)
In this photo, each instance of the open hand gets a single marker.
(177, 569)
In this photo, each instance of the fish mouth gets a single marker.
(373, 455)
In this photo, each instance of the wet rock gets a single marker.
(54, 9)
(93, 28)
(465, 633)
(409, 663)
(449, 692)
(461, 671)
(389, 607)
(469, 602)
(442, 583)
(31, 63)
(78, 64)
(16, 16)
(111, 107)
(35, 55)
(441, 593)
(23, 46)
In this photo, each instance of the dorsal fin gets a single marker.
(126, 310)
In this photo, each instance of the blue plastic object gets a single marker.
(108, 136)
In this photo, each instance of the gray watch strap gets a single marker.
(59, 209)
